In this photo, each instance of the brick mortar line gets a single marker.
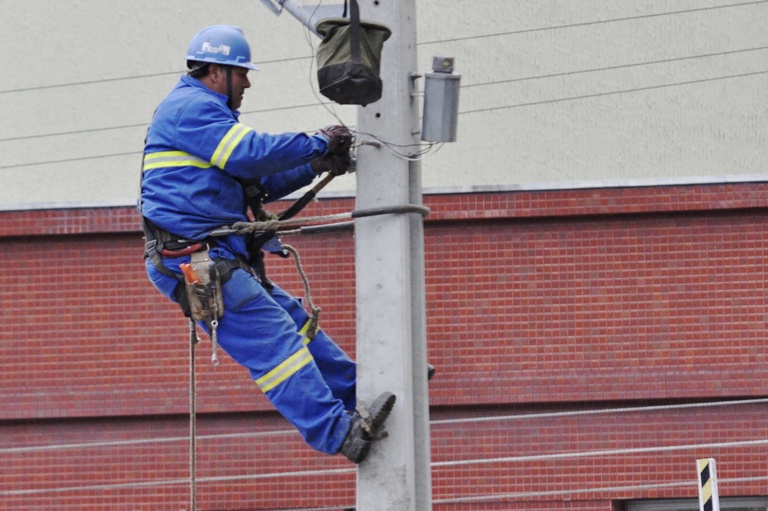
(450, 207)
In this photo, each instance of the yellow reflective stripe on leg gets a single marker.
(228, 144)
(285, 370)
(173, 159)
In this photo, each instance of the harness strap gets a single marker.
(354, 31)
(156, 240)
(225, 266)
(153, 248)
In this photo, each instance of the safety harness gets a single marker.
(199, 290)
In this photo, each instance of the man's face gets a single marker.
(217, 80)
(240, 82)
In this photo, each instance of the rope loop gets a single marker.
(314, 321)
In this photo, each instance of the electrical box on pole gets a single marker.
(441, 102)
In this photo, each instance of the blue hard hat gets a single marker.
(221, 44)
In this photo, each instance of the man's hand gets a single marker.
(339, 139)
(335, 164)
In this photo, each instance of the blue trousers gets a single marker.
(310, 382)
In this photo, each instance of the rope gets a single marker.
(193, 340)
(315, 316)
(240, 228)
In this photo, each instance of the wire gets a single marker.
(88, 82)
(575, 491)
(532, 416)
(515, 459)
(132, 77)
(423, 43)
(159, 440)
(580, 413)
(605, 452)
(419, 155)
(613, 93)
(489, 109)
(70, 160)
(613, 68)
(330, 107)
(597, 22)
(172, 482)
(328, 104)
(144, 125)
(314, 473)
(73, 132)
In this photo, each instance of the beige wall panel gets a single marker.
(554, 93)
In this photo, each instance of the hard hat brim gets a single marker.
(221, 62)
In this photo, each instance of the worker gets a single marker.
(203, 169)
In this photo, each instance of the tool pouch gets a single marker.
(349, 58)
(206, 302)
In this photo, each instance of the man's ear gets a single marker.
(215, 73)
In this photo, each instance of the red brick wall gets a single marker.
(538, 302)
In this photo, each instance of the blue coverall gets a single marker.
(195, 149)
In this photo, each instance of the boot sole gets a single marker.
(380, 410)
(358, 444)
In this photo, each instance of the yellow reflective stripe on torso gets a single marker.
(285, 370)
(228, 144)
(173, 159)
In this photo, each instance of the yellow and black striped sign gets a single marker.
(708, 499)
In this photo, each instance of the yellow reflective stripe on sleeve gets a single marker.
(285, 370)
(228, 144)
(306, 340)
(173, 159)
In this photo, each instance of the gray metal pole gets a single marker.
(391, 331)
(309, 16)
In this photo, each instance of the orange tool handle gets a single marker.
(190, 274)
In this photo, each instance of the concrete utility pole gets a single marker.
(391, 329)
(391, 310)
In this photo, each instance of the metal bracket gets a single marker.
(309, 16)
(413, 77)
(270, 4)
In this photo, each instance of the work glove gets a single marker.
(339, 139)
(336, 164)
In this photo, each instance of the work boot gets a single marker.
(365, 427)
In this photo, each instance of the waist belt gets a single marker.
(161, 244)
(166, 251)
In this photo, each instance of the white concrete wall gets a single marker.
(554, 92)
